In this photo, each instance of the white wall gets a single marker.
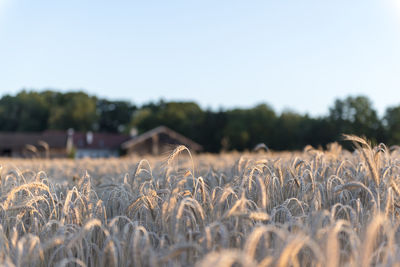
(96, 153)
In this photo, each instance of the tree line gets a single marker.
(230, 129)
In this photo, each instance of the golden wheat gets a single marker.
(310, 208)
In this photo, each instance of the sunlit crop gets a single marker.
(309, 208)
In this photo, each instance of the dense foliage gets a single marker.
(238, 129)
(311, 208)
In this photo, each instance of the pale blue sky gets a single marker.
(291, 54)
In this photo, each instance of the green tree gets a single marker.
(27, 111)
(183, 117)
(114, 116)
(318, 132)
(247, 127)
(73, 110)
(211, 130)
(238, 129)
(355, 115)
(290, 131)
(392, 123)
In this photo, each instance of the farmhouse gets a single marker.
(46, 144)
(98, 145)
(61, 144)
(158, 141)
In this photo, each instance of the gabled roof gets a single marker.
(162, 130)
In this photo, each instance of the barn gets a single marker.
(61, 144)
(158, 141)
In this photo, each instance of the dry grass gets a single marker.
(310, 208)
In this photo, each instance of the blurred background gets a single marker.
(227, 75)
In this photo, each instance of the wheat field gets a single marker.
(308, 208)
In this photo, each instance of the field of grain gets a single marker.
(309, 208)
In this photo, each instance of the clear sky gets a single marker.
(291, 54)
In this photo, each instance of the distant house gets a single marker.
(46, 144)
(98, 145)
(61, 144)
(158, 141)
